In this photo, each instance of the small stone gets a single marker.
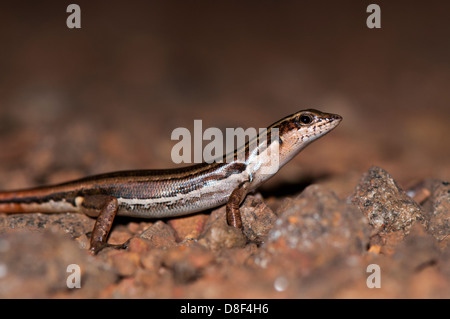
(138, 245)
(160, 235)
(119, 236)
(217, 234)
(436, 210)
(374, 249)
(257, 219)
(126, 263)
(385, 204)
(317, 220)
(83, 241)
(188, 227)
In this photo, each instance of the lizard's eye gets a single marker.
(305, 119)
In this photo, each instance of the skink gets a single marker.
(174, 192)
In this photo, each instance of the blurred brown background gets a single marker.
(107, 96)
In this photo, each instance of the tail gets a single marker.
(35, 200)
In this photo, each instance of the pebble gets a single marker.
(188, 227)
(318, 220)
(126, 263)
(385, 204)
(160, 235)
(436, 210)
(218, 235)
(257, 219)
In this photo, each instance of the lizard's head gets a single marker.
(300, 129)
(286, 138)
(308, 124)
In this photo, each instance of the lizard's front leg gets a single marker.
(104, 207)
(234, 201)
